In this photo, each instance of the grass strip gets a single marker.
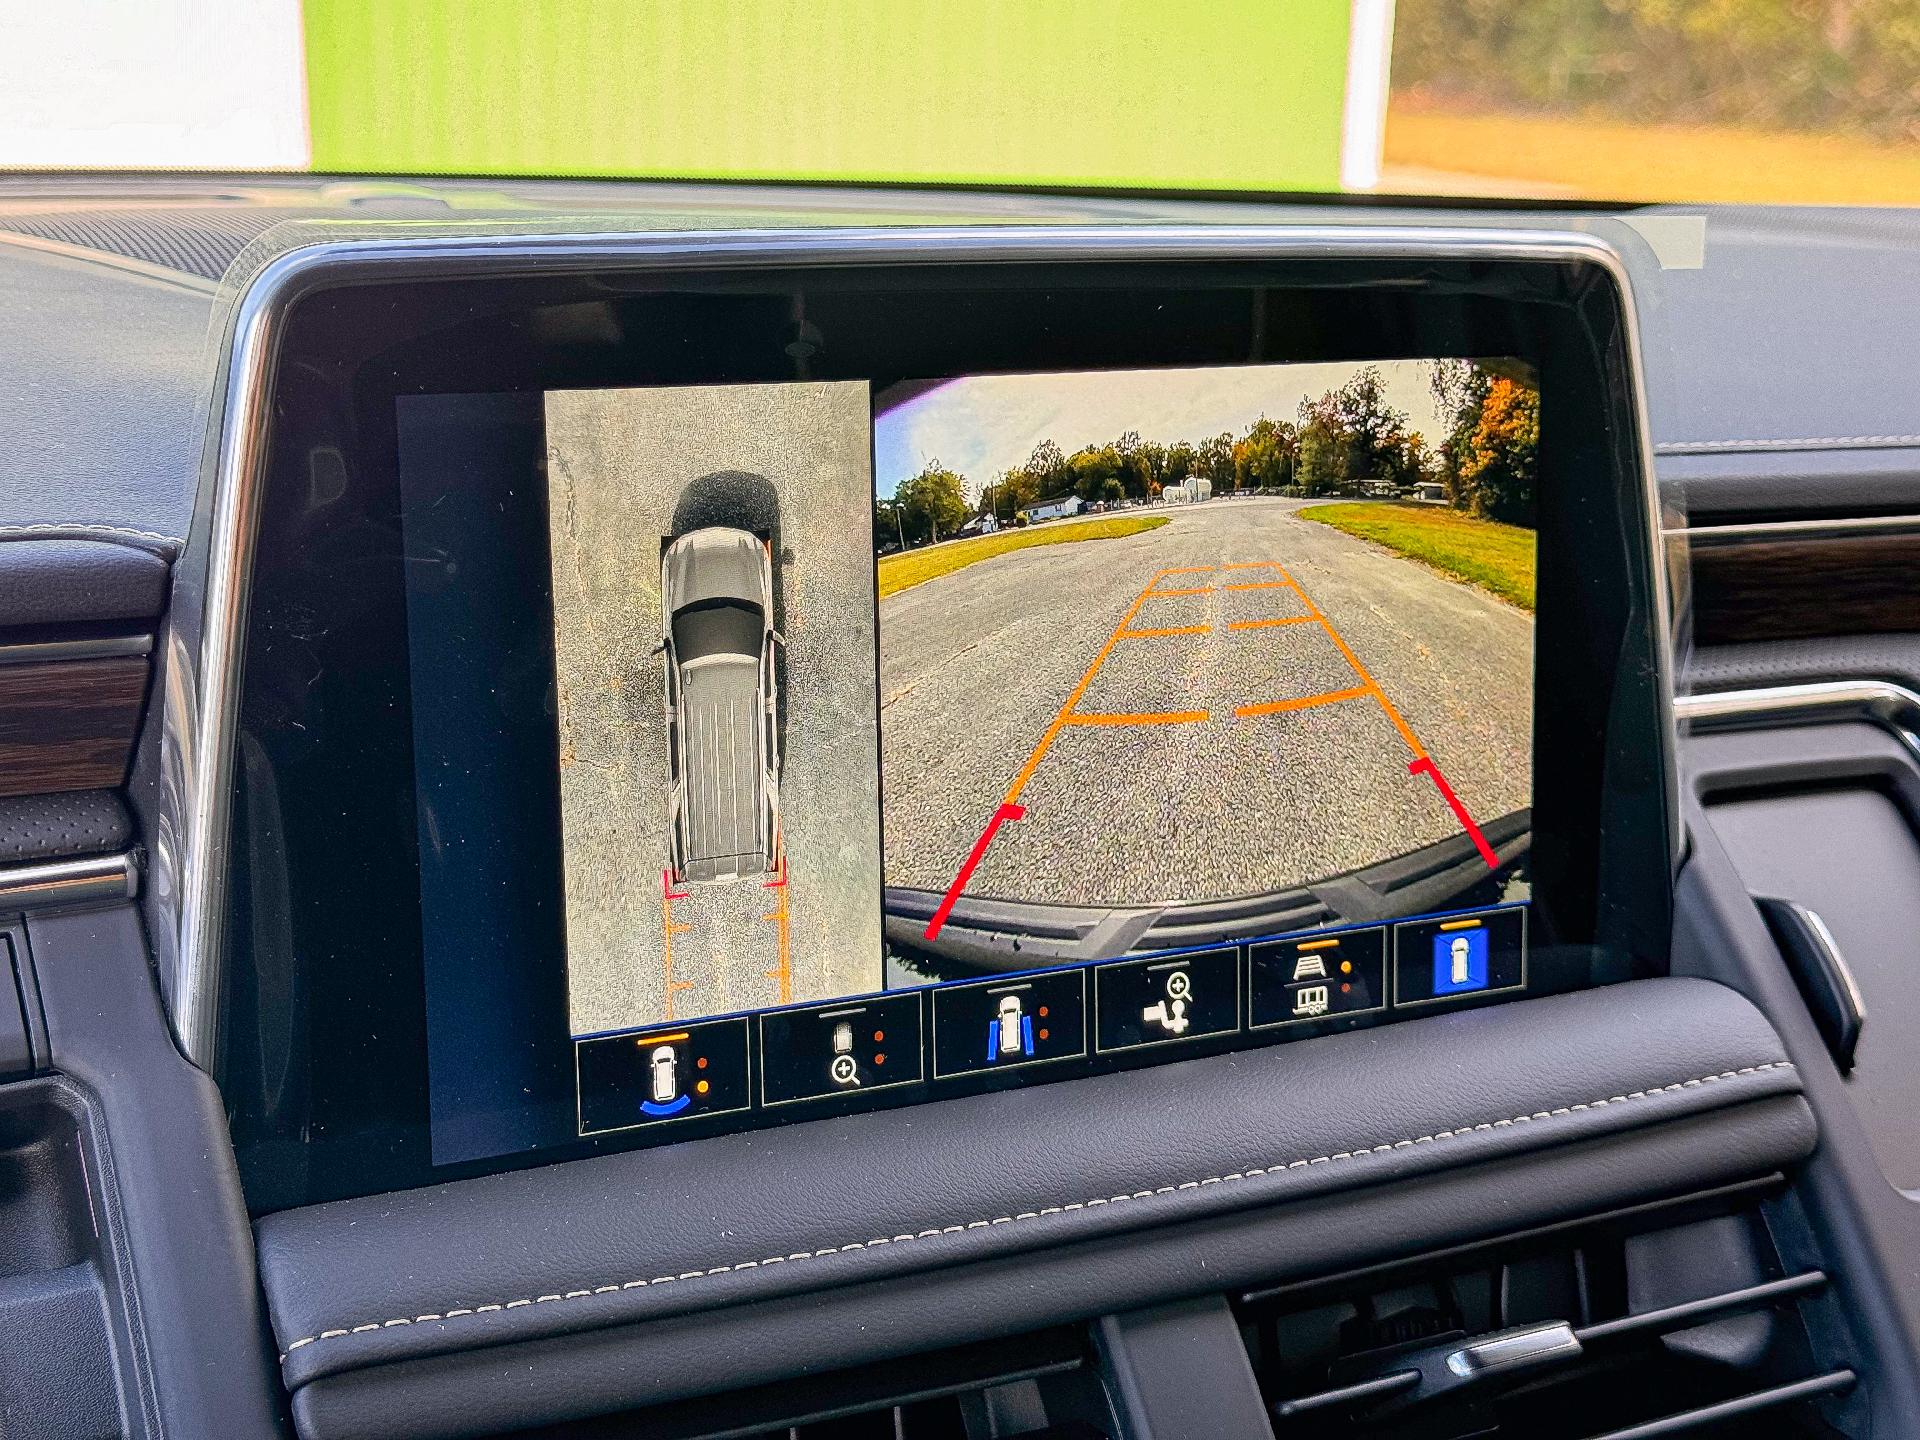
(930, 562)
(1498, 558)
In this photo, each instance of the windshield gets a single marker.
(1629, 100)
(723, 629)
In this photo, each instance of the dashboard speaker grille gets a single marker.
(194, 240)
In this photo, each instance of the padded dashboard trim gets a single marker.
(574, 1249)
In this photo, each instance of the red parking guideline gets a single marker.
(1000, 817)
(1425, 766)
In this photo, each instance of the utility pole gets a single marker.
(899, 525)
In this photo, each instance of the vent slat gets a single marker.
(1834, 1382)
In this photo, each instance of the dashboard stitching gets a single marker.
(56, 531)
(1062, 1209)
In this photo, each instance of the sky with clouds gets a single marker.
(985, 424)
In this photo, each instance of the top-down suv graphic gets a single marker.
(722, 704)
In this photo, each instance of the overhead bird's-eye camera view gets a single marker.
(1260, 635)
(713, 643)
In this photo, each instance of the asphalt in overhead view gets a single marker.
(1227, 705)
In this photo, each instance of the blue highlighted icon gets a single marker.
(1459, 961)
(1010, 1032)
(672, 1107)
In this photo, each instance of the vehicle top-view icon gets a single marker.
(719, 645)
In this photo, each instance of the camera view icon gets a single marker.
(663, 1084)
(1010, 1032)
(1459, 961)
(1311, 1000)
(1170, 1014)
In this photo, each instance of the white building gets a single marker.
(1051, 510)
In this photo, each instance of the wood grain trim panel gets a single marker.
(1803, 588)
(69, 724)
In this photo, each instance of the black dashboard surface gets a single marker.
(1748, 399)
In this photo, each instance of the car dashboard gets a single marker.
(706, 811)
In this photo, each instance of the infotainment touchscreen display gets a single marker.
(951, 734)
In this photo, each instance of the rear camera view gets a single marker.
(1178, 656)
(714, 662)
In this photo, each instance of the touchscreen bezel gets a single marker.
(326, 1073)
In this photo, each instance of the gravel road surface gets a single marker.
(1202, 799)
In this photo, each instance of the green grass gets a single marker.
(916, 567)
(1495, 557)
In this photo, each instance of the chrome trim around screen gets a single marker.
(1881, 702)
(1761, 530)
(202, 693)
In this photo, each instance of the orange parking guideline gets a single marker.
(782, 973)
(1160, 717)
(1264, 585)
(1399, 723)
(1166, 630)
(1170, 594)
(1060, 720)
(1252, 565)
(1305, 702)
(668, 931)
(1264, 624)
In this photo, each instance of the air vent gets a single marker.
(1033, 1387)
(1708, 1318)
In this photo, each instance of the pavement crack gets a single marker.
(912, 685)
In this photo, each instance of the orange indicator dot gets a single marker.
(1043, 1012)
(701, 1063)
(1346, 967)
(701, 1088)
(1043, 1034)
(878, 1036)
(1345, 988)
(879, 1060)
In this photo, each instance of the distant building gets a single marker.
(1431, 490)
(1190, 491)
(1051, 510)
(981, 525)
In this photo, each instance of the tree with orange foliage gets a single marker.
(1501, 458)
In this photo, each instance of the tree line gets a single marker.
(1843, 66)
(1348, 441)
